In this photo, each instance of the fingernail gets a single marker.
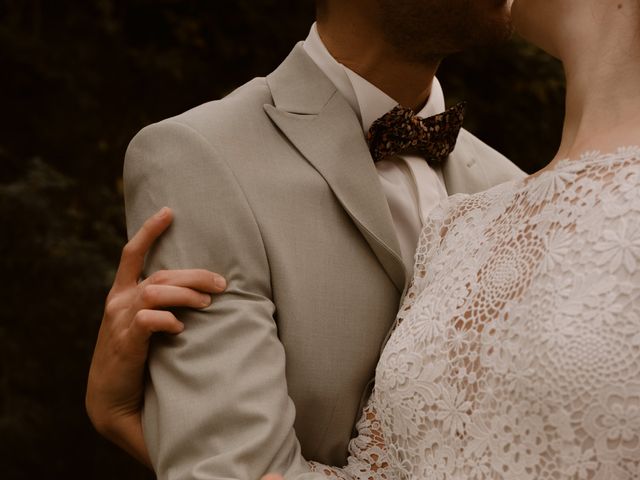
(206, 300)
(163, 212)
(220, 282)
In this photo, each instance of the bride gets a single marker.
(516, 353)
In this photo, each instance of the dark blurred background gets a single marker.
(77, 80)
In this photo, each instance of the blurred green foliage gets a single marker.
(78, 79)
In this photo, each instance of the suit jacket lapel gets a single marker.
(323, 127)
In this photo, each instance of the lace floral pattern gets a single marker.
(517, 352)
(367, 452)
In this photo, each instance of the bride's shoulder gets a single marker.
(595, 173)
(594, 162)
(462, 204)
(624, 163)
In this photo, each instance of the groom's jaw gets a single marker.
(426, 29)
(422, 30)
(398, 45)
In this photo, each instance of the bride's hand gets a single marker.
(272, 476)
(133, 312)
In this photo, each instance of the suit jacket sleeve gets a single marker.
(216, 404)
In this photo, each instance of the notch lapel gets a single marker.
(318, 121)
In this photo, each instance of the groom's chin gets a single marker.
(486, 23)
(499, 26)
(495, 31)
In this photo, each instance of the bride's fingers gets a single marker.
(153, 296)
(196, 279)
(272, 476)
(147, 322)
(133, 253)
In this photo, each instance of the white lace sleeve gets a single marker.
(367, 452)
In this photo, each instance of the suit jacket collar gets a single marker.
(319, 122)
(299, 86)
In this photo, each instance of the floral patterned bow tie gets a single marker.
(401, 130)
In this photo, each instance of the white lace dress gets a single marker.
(516, 353)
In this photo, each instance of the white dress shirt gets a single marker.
(412, 187)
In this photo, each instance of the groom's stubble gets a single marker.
(427, 30)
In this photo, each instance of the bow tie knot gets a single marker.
(401, 130)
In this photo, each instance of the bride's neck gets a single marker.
(603, 87)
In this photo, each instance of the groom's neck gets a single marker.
(355, 42)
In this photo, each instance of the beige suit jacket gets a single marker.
(274, 188)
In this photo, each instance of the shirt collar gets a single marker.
(368, 101)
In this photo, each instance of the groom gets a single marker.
(277, 188)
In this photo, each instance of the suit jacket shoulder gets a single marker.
(474, 166)
(228, 120)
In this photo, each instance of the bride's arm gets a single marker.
(134, 311)
(368, 457)
(114, 392)
(367, 452)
